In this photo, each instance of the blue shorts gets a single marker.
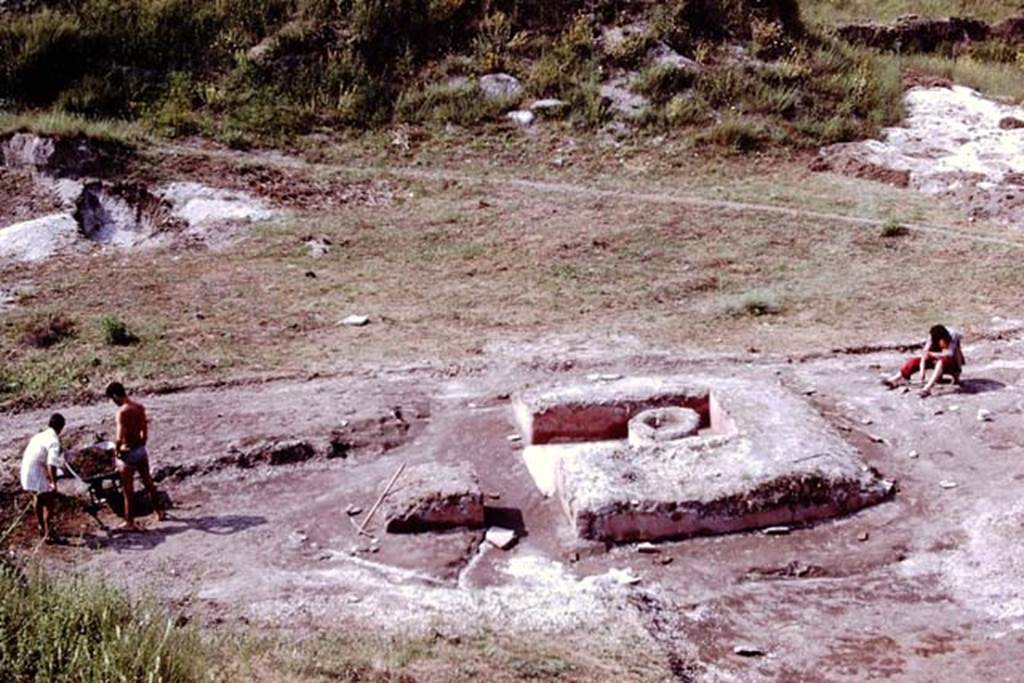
(136, 457)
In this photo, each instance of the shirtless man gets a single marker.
(132, 457)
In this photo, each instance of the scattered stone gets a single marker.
(548, 107)
(665, 560)
(648, 549)
(938, 411)
(876, 438)
(620, 100)
(318, 247)
(866, 421)
(776, 531)
(356, 321)
(501, 538)
(953, 409)
(624, 577)
(311, 274)
(913, 455)
(521, 117)
(500, 86)
(432, 497)
(948, 484)
(514, 437)
(353, 510)
(1010, 123)
(984, 415)
(748, 651)
(863, 536)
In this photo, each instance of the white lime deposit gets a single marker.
(39, 238)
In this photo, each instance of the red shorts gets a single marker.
(913, 366)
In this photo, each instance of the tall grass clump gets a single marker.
(77, 629)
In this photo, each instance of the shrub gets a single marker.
(496, 42)
(441, 103)
(661, 83)
(756, 303)
(687, 110)
(740, 135)
(116, 332)
(48, 332)
(892, 229)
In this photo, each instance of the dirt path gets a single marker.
(925, 587)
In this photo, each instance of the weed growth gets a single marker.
(75, 629)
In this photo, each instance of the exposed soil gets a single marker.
(885, 593)
(32, 201)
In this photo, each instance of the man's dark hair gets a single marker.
(940, 333)
(57, 422)
(116, 390)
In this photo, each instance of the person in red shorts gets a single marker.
(941, 352)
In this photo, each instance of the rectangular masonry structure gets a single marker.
(760, 456)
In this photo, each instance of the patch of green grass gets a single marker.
(661, 83)
(77, 629)
(995, 79)
(116, 332)
(63, 124)
(737, 134)
(441, 103)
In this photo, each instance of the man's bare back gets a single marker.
(131, 425)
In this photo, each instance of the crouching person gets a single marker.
(39, 465)
(940, 353)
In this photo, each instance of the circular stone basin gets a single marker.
(663, 424)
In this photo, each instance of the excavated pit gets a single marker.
(758, 457)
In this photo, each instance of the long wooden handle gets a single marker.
(369, 515)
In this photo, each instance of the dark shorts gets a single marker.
(136, 458)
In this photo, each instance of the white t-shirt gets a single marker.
(43, 450)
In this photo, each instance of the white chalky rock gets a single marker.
(500, 538)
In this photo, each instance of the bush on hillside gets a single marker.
(257, 71)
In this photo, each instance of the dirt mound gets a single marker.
(65, 157)
(26, 199)
(915, 34)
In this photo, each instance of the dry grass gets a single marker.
(450, 267)
(487, 656)
(831, 12)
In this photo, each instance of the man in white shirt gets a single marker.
(39, 466)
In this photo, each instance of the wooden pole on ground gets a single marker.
(362, 527)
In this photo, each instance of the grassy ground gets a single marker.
(450, 266)
(341, 657)
(73, 629)
(831, 12)
(77, 629)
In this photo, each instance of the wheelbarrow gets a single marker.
(101, 479)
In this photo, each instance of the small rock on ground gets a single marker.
(748, 651)
(356, 321)
(500, 538)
